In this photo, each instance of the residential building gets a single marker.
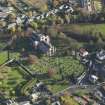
(99, 93)
(34, 96)
(25, 103)
(87, 5)
(100, 56)
(83, 52)
(42, 43)
(11, 102)
(93, 78)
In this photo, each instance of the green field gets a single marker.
(63, 67)
(67, 65)
(86, 28)
(14, 78)
(3, 57)
(10, 78)
(56, 88)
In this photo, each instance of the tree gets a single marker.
(100, 43)
(34, 25)
(56, 2)
(32, 59)
(67, 18)
(67, 66)
(59, 20)
(51, 72)
(48, 102)
(103, 12)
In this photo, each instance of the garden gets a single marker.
(55, 73)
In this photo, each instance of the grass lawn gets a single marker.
(68, 100)
(68, 65)
(12, 79)
(55, 88)
(3, 57)
(86, 28)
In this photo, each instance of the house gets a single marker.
(38, 17)
(25, 103)
(45, 38)
(51, 51)
(42, 16)
(56, 10)
(56, 103)
(66, 8)
(12, 25)
(5, 11)
(70, 9)
(87, 5)
(11, 102)
(52, 12)
(18, 21)
(34, 96)
(93, 78)
(42, 89)
(100, 55)
(98, 69)
(48, 14)
(39, 84)
(43, 48)
(99, 94)
(42, 44)
(83, 52)
(3, 15)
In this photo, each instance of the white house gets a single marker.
(45, 39)
(83, 52)
(93, 78)
(34, 96)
